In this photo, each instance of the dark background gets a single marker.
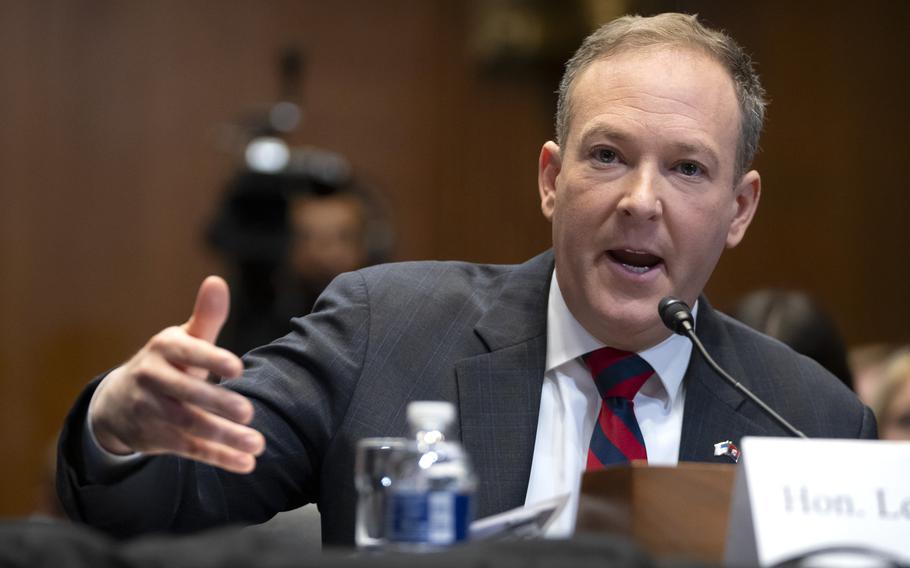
(110, 114)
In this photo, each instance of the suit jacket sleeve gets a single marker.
(300, 386)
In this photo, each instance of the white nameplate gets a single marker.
(794, 497)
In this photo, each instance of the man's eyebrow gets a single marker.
(696, 148)
(605, 131)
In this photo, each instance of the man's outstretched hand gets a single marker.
(159, 401)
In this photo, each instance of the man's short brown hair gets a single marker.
(672, 30)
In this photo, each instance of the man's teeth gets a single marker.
(636, 269)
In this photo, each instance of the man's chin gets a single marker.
(633, 328)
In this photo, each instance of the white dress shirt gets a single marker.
(569, 405)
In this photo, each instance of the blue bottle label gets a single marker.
(435, 517)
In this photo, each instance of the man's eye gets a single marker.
(605, 155)
(690, 169)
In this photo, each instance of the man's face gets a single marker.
(328, 237)
(642, 195)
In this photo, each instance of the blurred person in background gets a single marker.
(867, 364)
(892, 399)
(796, 319)
(284, 237)
(328, 237)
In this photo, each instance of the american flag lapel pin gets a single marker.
(729, 449)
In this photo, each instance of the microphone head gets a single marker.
(676, 315)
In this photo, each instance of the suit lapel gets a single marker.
(713, 410)
(499, 391)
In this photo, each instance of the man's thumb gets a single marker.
(213, 302)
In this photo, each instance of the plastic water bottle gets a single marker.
(432, 498)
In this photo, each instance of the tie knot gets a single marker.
(617, 373)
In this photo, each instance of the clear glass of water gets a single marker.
(374, 468)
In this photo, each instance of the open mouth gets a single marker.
(635, 261)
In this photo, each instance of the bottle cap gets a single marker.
(430, 415)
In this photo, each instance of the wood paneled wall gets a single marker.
(108, 117)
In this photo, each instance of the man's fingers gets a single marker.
(156, 403)
(212, 453)
(202, 425)
(187, 351)
(173, 427)
(170, 382)
(211, 310)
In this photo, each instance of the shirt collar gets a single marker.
(567, 340)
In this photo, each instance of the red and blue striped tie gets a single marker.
(618, 376)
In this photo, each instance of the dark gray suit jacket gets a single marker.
(471, 334)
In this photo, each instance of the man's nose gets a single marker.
(640, 199)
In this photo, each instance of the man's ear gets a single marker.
(548, 169)
(746, 194)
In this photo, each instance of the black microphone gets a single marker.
(677, 316)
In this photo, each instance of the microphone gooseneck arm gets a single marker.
(678, 318)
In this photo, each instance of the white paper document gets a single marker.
(525, 522)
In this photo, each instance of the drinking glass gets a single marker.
(373, 477)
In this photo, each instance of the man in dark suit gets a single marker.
(657, 124)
